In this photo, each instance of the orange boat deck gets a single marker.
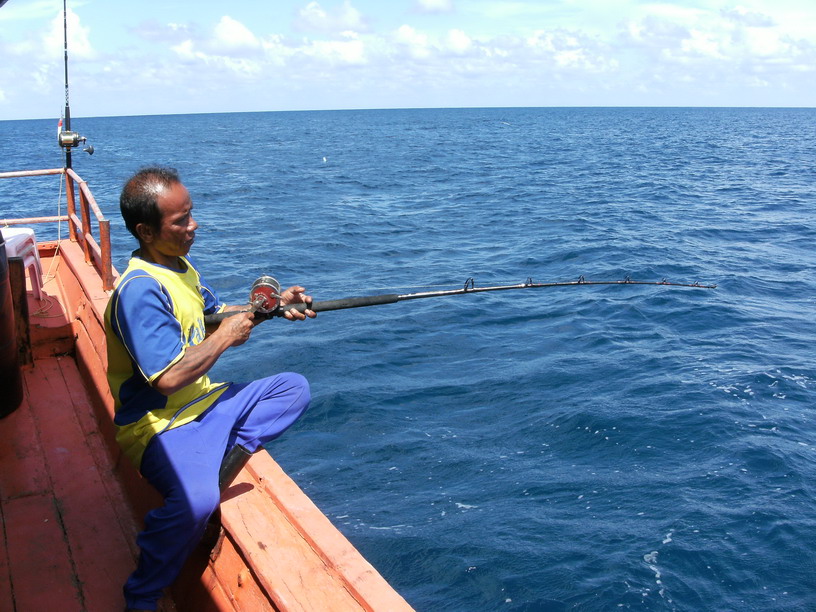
(68, 531)
(69, 536)
(71, 504)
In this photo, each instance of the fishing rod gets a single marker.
(65, 137)
(265, 295)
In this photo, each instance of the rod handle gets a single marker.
(212, 319)
(341, 304)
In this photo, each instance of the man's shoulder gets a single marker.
(137, 277)
(136, 293)
(137, 285)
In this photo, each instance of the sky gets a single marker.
(177, 56)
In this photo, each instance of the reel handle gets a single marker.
(264, 298)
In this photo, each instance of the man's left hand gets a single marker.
(296, 295)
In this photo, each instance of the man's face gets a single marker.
(177, 231)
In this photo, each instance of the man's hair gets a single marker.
(139, 199)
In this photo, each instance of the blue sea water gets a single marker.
(586, 448)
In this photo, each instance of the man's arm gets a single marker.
(212, 327)
(233, 331)
(198, 359)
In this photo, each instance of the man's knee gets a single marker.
(299, 381)
(290, 387)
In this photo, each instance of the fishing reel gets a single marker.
(264, 295)
(68, 140)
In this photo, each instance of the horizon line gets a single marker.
(412, 108)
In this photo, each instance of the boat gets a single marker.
(71, 503)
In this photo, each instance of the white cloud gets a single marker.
(79, 44)
(718, 51)
(350, 51)
(314, 17)
(571, 51)
(153, 31)
(434, 6)
(766, 44)
(232, 46)
(186, 50)
(276, 51)
(681, 15)
(416, 43)
(459, 42)
(232, 34)
(747, 17)
(736, 37)
(703, 44)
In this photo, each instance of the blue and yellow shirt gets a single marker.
(153, 316)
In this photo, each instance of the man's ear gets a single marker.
(146, 232)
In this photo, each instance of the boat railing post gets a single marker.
(105, 245)
(71, 200)
(86, 223)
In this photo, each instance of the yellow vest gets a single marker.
(146, 412)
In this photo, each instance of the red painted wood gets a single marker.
(6, 598)
(98, 547)
(23, 467)
(41, 570)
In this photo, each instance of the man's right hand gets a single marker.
(237, 328)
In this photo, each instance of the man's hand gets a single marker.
(296, 295)
(237, 328)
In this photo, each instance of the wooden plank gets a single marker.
(24, 471)
(6, 598)
(220, 586)
(239, 583)
(295, 578)
(86, 417)
(39, 560)
(341, 558)
(101, 553)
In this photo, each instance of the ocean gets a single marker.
(583, 448)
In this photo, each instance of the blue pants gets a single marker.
(183, 464)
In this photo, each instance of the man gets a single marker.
(175, 424)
